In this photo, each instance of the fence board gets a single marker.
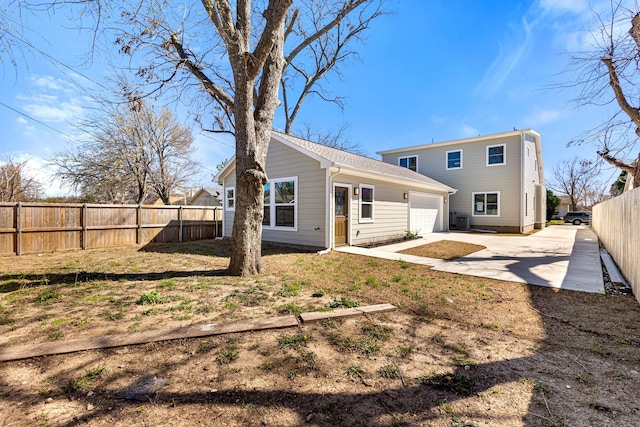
(42, 227)
(615, 223)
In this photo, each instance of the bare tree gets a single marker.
(16, 184)
(333, 139)
(306, 70)
(576, 179)
(132, 151)
(233, 55)
(608, 74)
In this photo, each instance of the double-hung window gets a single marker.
(280, 203)
(409, 162)
(366, 203)
(496, 155)
(454, 159)
(230, 199)
(486, 204)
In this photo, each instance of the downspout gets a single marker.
(328, 217)
(522, 180)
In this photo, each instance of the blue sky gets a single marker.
(431, 71)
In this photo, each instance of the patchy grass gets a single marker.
(452, 354)
(444, 249)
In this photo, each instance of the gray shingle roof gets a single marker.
(345, 159)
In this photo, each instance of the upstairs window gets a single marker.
(410, 162)
(496, 155)
(454, 159)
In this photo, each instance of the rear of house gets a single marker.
(499, 178)
(320, 197)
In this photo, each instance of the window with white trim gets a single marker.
(486, 204)
(230, 198)
(409, 162)
(280, 203)
(454, 159)
(496, 155)
(366, 203)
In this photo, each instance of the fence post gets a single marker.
(215, 217)
(180, 235)
(19, 229)
(139, 223)
(83, 223)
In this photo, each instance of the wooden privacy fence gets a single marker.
(41, 227)
(616, 222)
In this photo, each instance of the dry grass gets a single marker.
(444, 249)
(459, 351)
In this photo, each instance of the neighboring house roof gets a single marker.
(349, 162)
(477, 139)
(203, 192)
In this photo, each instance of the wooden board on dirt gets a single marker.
(317, 316)
(119, 340)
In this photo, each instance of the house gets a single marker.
(499, 177)
(321, 197)
(206, 197)
(564, 206)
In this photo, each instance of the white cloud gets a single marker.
(468, 132)
(508, 58)
(559, 7)
(541, 116)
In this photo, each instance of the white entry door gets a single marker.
(425, 212)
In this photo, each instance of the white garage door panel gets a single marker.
(425, 213)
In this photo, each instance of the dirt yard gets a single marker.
(459, 351)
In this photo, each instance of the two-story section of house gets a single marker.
(499, 177)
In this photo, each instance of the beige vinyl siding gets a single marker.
(531, 179)
(390, 211)
(475, 177)
(230, 181)
(283, 162)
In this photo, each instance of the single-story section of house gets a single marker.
(322, 197)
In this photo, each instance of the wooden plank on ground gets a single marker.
(118, 340)
(317, 316)
(612, 269)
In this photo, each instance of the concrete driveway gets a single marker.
(560, 256)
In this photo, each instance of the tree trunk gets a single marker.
(253, 123)
(246, 237)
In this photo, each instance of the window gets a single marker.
(266, 218)
(454, 159)
(366, 203)
(230, 198)
(496, 155)
(409, 162)
(486, 204)
(280, 203)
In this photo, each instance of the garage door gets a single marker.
(425, 213)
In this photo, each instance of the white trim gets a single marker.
(504, 155)
(273, 205)
(473, 200)
(408, 157)
(226, 199)
(333, 212)
(462, 141)
(372, 203)
(446, 159)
